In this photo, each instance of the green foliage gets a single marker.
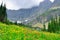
(44, 28)
(13, 32)
(54, 25)
(3, 14)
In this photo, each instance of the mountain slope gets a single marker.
(29, 14)
(20, 14)
(56, 3)
(47, 15)
(44, 6)
(13, 32)
(53, 11)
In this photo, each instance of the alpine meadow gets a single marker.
(29, 19)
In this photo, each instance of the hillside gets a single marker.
(47, 15)
(13, 32)
(56, 3)
(30, 13)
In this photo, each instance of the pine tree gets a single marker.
(54, 25)
(59, 23)
(49, 27)
(3, 14)
(44, 28)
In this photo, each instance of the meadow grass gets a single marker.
(14, 32)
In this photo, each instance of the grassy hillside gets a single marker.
(13, 32)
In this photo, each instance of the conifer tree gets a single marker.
(54, 25)
(3, 14)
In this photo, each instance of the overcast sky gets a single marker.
(18, 4)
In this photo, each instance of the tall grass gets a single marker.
(13, 32)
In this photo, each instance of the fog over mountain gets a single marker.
(53, 11)
(18, 4)
(29, 14)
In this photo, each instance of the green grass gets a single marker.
(13, 32)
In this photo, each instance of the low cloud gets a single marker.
(18, 4)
